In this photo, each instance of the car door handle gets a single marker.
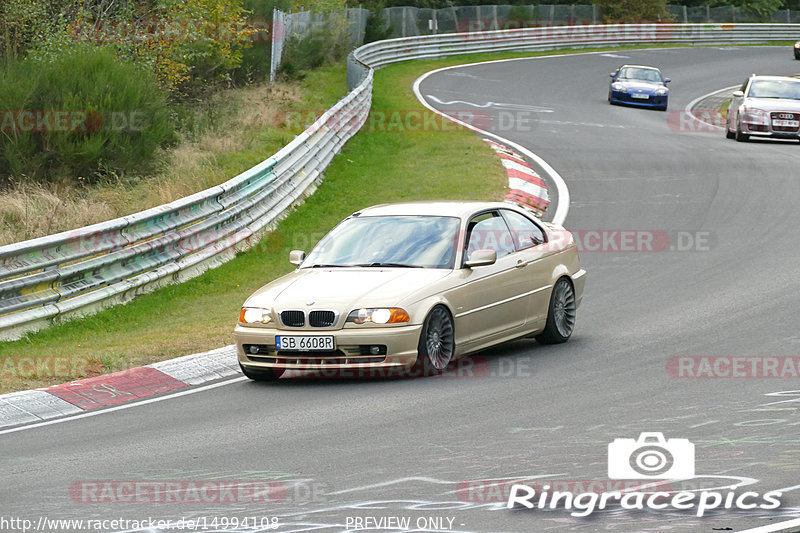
(521, 263)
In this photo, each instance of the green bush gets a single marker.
(80, 115)
(322, 46)
(377, 28)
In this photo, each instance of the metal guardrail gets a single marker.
(79, 271)
(382, 53)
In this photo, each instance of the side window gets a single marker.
(488, 231)
(526, 233)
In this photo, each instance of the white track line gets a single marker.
(561, 186)
(124, 406)
(693, 103)
(780, 526)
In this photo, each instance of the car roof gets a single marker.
(641, 66)
(452, 208)
(780, 78)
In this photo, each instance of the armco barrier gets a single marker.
(82, 270)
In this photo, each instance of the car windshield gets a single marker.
(775, 89)
(634, 73)
(394, 241)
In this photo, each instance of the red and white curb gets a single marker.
(91, 393)
(526, 187)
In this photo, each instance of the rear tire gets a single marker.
(267, 374)
(436, 342)
(560, 314)
(729, 134)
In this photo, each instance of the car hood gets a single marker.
(345, 289)
(641, 85)
(774, 104)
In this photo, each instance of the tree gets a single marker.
(635, 10)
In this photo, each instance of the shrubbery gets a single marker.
(79, 115)
(319, 47)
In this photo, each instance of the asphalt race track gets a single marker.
(338, 451)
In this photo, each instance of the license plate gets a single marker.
(304, 343)
(640, 96)
(786, 123)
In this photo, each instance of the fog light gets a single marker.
(374, 350)
(253, 349)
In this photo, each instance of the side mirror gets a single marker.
(667, 80)
(738, 94)
(296, 257)
(482, 258)
(612, 74)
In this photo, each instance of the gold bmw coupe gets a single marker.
(414, 285)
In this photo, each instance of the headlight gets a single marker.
(618, 86)
(797, 45)
(754, 116)
(661, 91)
(254, 315)
(379, 315)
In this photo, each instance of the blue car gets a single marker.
(640, 86)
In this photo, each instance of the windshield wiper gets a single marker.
(322, 265)
(379, 264)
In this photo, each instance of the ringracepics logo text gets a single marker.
(651, 457)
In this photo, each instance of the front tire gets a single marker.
(741, 137)
(560, 314)
(267, 374)
(436, 342)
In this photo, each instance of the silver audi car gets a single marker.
(765, 106)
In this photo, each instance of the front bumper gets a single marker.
(762, 130)
(578, 283)
(622, 97)
(397, 347)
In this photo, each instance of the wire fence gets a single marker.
(413, 21)
(410, 21)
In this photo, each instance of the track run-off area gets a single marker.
(690, 243)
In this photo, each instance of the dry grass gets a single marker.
(239, 118)
(31, 210)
